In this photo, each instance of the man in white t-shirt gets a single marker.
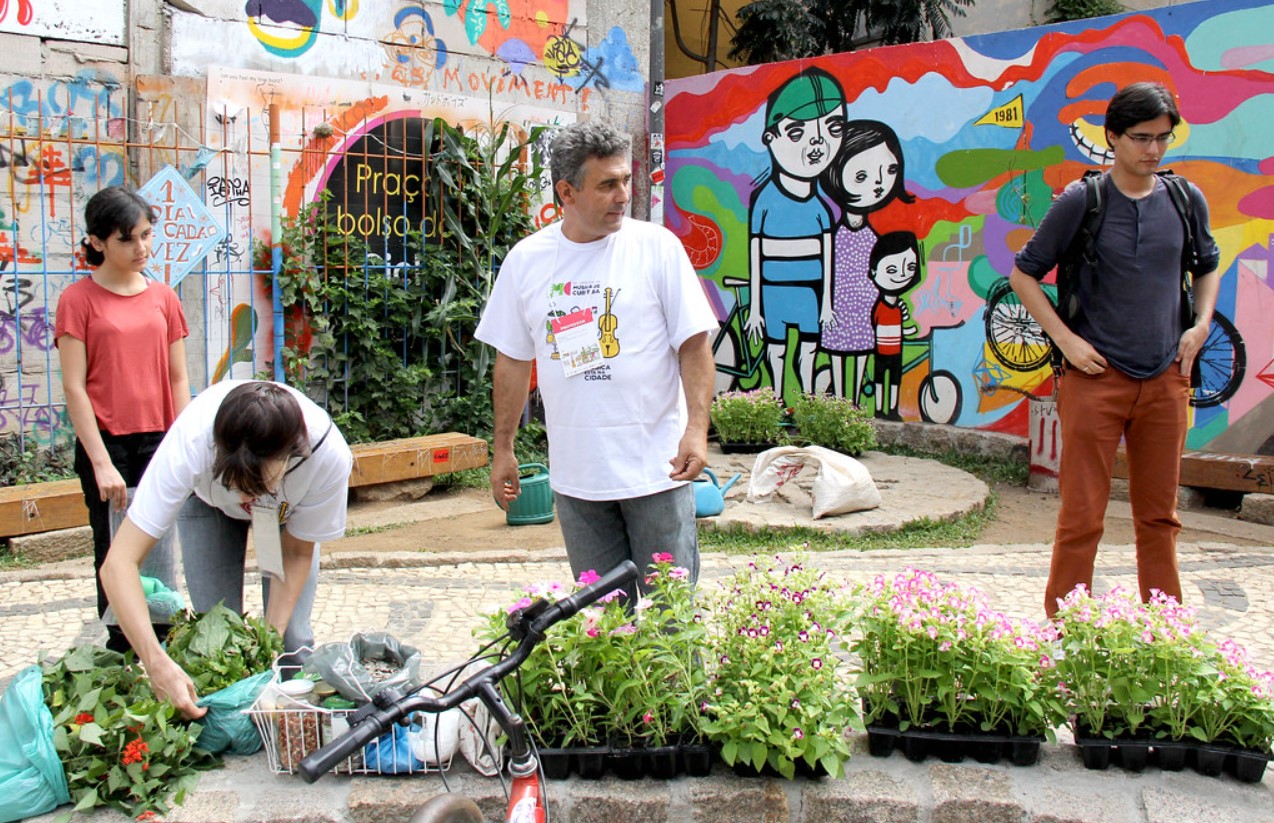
(243, 453)
(615, 320)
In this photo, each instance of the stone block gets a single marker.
(413, 489)
(719, 799)
(22, 55)
(862, 795)
(1119, 489)
(972, 794)
(1190, 498)
(51, 547)
(1258, 508)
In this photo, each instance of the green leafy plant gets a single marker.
(748, 417)
(834, 423)
(779, 695)
(119, 746)
(390, 349)
(935, 655)
(23, 460)
(219, 648)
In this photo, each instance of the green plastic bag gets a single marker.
(226, 728)
(31, 777)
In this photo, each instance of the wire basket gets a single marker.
(290, 730)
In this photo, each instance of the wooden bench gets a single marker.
(42, 507)
(1247, 473)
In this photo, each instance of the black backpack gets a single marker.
(1083, 247)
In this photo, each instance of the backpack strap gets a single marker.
(1179, 191)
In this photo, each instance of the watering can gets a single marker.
(710, 494)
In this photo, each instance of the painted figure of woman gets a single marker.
(865, 175)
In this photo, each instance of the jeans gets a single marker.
(601, 534)
(213, 551)
(1150, 416)
(130, 454)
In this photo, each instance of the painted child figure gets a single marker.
(895, 266)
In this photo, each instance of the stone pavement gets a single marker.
(433, 601)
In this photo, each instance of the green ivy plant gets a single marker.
(390, 349)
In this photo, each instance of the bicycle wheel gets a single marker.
(940, 397)
(448, 808)
(1016, 339)
(1221, 364)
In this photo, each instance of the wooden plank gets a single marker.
(42, 507)
(1248, 473)
(416, 457)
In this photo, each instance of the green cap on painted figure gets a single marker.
(808, 96)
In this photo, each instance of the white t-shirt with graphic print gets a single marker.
(313, 496)
(613, 430)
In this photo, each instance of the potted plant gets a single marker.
(617, 687)
(748, 421)
(779, 697)
(942, 672)
(834, 423)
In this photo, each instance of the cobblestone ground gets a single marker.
(434, 602)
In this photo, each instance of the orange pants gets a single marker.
(1151, 417)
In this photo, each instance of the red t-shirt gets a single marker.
(126, 339)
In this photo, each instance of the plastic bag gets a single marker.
(392, 753)
(435, 739)
(842, 485)
(31, 777)
(226, 728)
(340, 664)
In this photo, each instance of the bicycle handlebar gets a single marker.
(390, 705)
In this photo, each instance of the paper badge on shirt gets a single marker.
(267, 540)
(578, 346)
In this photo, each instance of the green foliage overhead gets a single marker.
(774, 30)
(1062, 10)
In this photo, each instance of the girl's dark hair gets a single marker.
(1139, 102)
(893, 243)
(111, 210)
(861, 135)
(257, 422)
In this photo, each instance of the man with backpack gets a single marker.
(1130, 321)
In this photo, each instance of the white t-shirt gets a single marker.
(613, 430)
(312, 497)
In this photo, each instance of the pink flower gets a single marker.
(797, 734)
(647, 717)
(589, 577)
(661, 557)
(521, 604)
(679, 573)
(816, 663)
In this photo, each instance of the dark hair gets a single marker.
(1138, 103)
(575, 144)
(861, 135)
(896, 242)
(257, 422)
(111, 210)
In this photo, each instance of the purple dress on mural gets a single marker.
(853, 293)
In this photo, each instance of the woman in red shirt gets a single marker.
(120, 336)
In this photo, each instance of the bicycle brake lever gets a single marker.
(519, 621)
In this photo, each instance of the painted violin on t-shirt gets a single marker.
(607, 324)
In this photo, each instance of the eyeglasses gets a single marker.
(1143, 140)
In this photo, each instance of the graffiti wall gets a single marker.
(857, 215)
(61, 141)
(88, 21)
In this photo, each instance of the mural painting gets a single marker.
(855, 216)
(532, 50)
(89, 21)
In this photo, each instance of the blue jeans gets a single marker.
(213, 550)
(601, 534)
